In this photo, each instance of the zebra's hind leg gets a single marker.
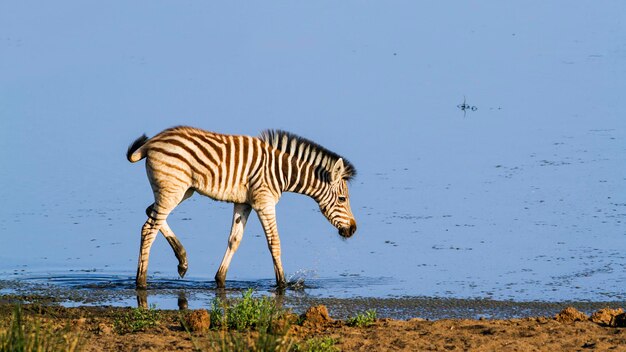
(161, 209)
(179, 250)
(177, 246)
(240, 218)
(148, 234)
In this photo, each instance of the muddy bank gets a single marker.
(568, 330)
(124, 295)
(340, 308)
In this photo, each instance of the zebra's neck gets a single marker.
(305, 178)
(302, 165)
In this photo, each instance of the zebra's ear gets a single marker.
(338, 170)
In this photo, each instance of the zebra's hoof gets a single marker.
(182, 270)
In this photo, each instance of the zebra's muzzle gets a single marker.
(348, 231)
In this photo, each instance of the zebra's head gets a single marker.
(335, 205)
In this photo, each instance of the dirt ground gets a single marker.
(568, 331)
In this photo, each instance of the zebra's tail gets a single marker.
(135, 152)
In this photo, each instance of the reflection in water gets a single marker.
(183, 303)
(142, 299)
(106, 290)
(220, 292)
(119, 290)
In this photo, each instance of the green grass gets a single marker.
(318, 344)
(137, 319)
(247, 324)
(245, 313)
(362, 319)
(27, 335)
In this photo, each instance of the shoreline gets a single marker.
(96, 329)
(431, 308)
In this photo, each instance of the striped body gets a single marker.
(248, 171)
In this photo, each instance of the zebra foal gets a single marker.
(251, 172)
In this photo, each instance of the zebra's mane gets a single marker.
(298, 146)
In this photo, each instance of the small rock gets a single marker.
(317, 315)
(570, 315)
(198, 320)
(619, 321)
(606, 316)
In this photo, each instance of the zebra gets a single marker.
(251, 172)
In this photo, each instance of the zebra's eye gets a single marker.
(341, 199)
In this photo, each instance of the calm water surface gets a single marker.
(518, 197)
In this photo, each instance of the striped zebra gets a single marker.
(251, 172)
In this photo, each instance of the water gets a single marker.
(489, 140)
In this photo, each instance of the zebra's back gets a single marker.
(216, 165)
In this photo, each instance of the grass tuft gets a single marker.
(247, 324)
(137, 319)
(26, 335)
(318, 344)
(362, 319)
(245, 313)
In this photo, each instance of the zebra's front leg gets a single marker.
(267, 216)
(240, 218)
